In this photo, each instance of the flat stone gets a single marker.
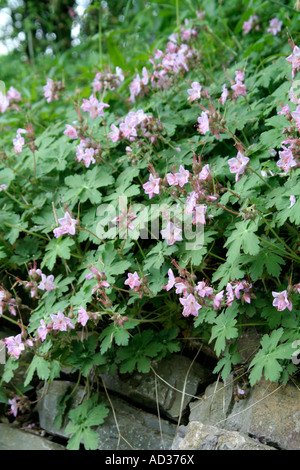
(12, 438)
(138, 429)
(173, 375)
(215, 405)
(271, 412)
(200, 436)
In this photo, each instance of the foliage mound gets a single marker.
(149, 195)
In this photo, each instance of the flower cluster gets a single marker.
(38, 281)
(10, 99)
(7, 301)
(107, 80)
(196, 296)
(52, 89)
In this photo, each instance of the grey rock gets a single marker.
(137, 429)
(173, 375)
(214, 406)
(200, 436)
(271, 412)
(12, 438)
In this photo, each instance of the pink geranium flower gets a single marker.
(42, 331)
(47, 283)
(83, 316)
(94, 107)
(19, 141)
(171, 234)
(275, 26)
(71, 132)
(281, 301)
(294, 59)
(203, 123)
(171, 281)
(14, 345)
(133, 281)
(238, 165)
(194, 92)
(224, 94)
(60, 322)
(67, 226)
(114, 135)
(152, 186)
(182, 176)
(191, 306)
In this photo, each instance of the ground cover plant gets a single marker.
(149, 193)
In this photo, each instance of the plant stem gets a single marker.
(26, 231)
(16, 200)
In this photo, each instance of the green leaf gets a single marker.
(9, 368)
(266, 361)
(39, 365)
(85, 186)
(224, 329)
(57, 248)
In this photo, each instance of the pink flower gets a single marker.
(14, 406)
(172, 179)
(60, 322)
(239, 76)
(191, 202)
(285, 110)
(194, 92)
(296, 116)
(275, 26)
(205, 173)
(218, 299)
(171, 281)
(229, 294)
(3, 187)
(171, 233)
(14, 345)
(199, 216)
(135, 88)
(133, 281)
(248, 25)
(67, 226)
(182, 176)
(224, 94)
(19, 141)
(294, 59)
(4, 102)
(83, 316)
(152, 186)
(94, 107)
(281, 301)
(203, 290)
(114, 135)
(71, 132)
(181, 288)
(286, 161)
(47, 283)
(203, 123)
(239, 89)
(50, 90)
(191, 306)
(42, 331)
(238, 165)
(13, 94)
